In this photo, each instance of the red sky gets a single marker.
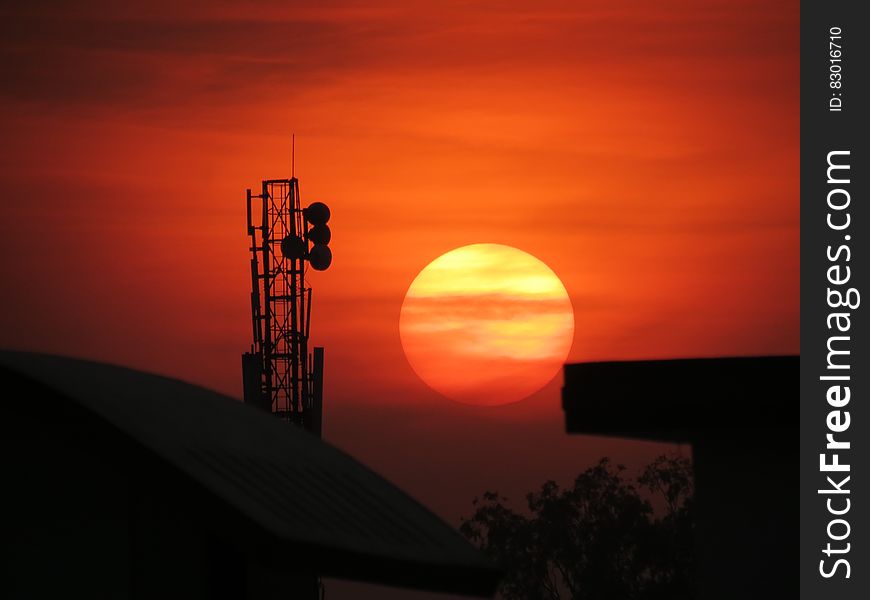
(647, 152)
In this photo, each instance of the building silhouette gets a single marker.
(740, 416)
(123, 484)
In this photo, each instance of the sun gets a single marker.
(486, 324)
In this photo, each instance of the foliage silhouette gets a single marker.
(600, 539)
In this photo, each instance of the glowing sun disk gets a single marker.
(486, 324)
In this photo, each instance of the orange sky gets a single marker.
(647, 152)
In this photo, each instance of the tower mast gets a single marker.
(279, 374)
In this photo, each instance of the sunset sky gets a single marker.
(648, 153)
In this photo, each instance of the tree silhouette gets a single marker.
(602, 538)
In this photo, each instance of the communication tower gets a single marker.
(279, 374)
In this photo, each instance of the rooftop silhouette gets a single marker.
(122, 480)
(740, 414)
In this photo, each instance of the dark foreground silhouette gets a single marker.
(606, 537)
(740, 416)
(123, 484)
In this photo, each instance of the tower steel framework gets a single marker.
(279, 373)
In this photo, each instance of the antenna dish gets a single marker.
(320, 257)
(317, 213)
(293, 247)
(319, 234)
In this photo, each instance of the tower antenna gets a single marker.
(293, 155)
(279, 373)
